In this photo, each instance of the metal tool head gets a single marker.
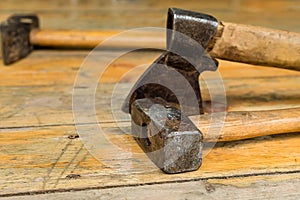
(169, 91)
(15, 37)
(188, 35)
(166, 135)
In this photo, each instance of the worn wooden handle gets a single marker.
(257, 45)
(242, 125)
(90, 39)
(235, 42)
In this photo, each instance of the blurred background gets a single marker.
(125, 14)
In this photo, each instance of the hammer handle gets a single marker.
(90, 39)
(242, 125)
(257, 45)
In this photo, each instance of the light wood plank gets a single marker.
(259, 187)
(52, 105)
(42, 158)
(46, 67)
(37, 93)
(41, 91)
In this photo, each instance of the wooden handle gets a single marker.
(90, 39)
(250, 124)
(235, 42)
(257, 45)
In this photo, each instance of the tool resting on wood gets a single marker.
(165, 107)
(173, 141)
(171, 130)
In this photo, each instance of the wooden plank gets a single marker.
(46, 67)
(258, 187)
(37, 93)
(43, 157)
(41, 91)
(52, 105)
(38, 100)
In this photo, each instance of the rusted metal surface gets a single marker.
(169, 90)
(194, 26)
(15, 40)
(174, 75)
(166, 135)
(173, 79)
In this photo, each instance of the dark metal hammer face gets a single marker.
(15, 37)
(166, 135)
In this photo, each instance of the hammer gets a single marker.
(20, 33)
(160, 101)
(174, 141)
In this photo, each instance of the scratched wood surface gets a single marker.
(230, 188)
(39, 149)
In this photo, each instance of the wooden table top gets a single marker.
(41, 156)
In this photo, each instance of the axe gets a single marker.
(164, 97)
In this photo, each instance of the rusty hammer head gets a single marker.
(169, 91)
(166, 135)
(15, 37)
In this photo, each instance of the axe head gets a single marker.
(15, 37)
(174, 75)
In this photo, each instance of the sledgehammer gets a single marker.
(174, 141)
(21, 33)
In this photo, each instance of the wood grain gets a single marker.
(257, 187)
(41, 92)
(243, 125)
(78, 39)
(44, 157)
(36, 96)
(258, 45)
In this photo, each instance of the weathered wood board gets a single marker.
(42, 95)
(44, 157)
(255, 187)
(35, 147)
(40, 152)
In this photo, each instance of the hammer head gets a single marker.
(15, 37)
(166, 135)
